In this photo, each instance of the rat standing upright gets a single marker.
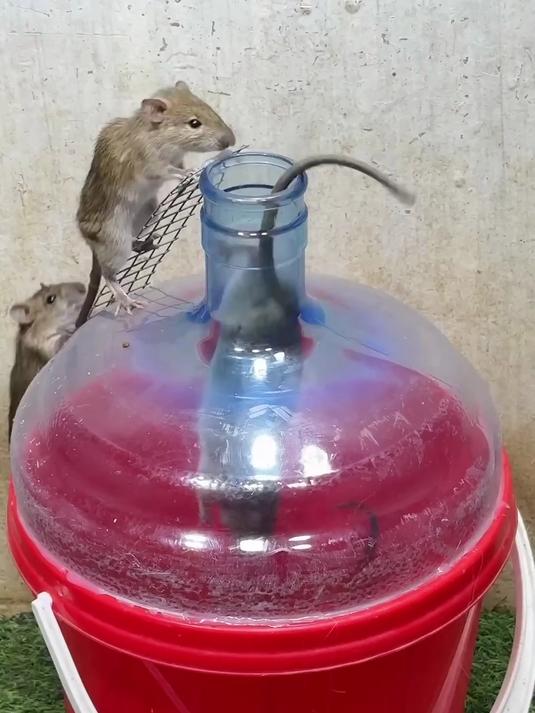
(46, 320)
(133, 158)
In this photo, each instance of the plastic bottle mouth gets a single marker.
(247, 179)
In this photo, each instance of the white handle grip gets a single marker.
(517, 689)
(61, 656)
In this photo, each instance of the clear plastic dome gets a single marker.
(196, 458)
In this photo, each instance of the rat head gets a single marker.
(47, 319)
(176, 116)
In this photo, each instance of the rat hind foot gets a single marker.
(124, 301)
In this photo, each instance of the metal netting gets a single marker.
(157, 237)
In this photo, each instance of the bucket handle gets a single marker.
(61, 656)
(515, 694)
(517, 689)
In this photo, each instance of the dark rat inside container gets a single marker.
(238, 482)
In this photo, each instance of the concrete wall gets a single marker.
(441, 93)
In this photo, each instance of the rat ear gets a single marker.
(181, 85)
(154, 108)
(20, 312)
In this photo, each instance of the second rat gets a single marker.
(45, 322)
(133, 158)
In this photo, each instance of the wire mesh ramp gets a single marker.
(158, 236)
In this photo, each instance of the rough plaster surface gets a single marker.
(439, 93)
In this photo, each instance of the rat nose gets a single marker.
(228, 139)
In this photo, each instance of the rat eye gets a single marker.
(194, 123)
(50, 299)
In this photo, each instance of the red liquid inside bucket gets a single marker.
(109, 494)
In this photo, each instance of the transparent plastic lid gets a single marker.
(233, 474)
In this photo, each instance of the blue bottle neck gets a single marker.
(237, 192)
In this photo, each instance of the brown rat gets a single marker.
(133, 158)
(46, 320)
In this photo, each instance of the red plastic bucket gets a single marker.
(409, 654)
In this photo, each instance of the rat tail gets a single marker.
(10, 419)
(92, 292)
(299, 167)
